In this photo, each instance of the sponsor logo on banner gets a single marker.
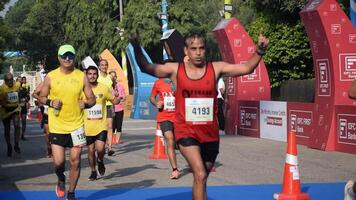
(333, 7)
(230, 86)
(315, 46)
(255, 76)
(237, 43)
(301, 122)
(335, 29)
(324, 77)
(347, 68)
(346, 129)
(273, 120)
(352, 38)
(249, 118)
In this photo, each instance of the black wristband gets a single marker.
(48, 102)
(260, 52)
(86, 106)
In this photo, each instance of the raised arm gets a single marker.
(228, 69)
(88, 92)
(162, 71)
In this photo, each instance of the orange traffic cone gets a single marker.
(291, 180)
(159, 151)
(115, 138)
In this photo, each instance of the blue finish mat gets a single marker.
(317, 191)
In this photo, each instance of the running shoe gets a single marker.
(101, 167)
(93, 176)
(61, 189)
(111, 152)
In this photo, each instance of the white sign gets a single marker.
(273, 120)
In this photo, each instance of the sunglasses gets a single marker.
(68, 56)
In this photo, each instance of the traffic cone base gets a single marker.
(291, 178)
(301, 196)
(159, 151)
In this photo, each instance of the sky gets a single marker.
(11, 3)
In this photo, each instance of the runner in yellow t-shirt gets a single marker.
(95, 125)
(62, 89)
(10, 105)
(105, 79)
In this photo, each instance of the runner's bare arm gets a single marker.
(36, 93)
(228, 69)
(88, 92)
(44, 90)
(157, 70)
(153, 99)
(116, 100)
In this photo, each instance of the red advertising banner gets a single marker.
(237, 47)
(346, 128)
(300, 121)
(332, 39)
(249, 118)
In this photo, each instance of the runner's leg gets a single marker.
(195, 161)
(75, 154)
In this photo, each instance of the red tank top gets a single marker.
(196, 106)
(165, 92)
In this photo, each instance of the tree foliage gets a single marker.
(2, 3)
(94, 29)
(41, 32)
(41, 26)
(4, 35)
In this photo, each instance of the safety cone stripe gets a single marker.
(291, 159)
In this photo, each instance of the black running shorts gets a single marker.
(101, 136)
(209, 150)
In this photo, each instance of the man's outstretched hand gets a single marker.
(135, 40)
(262, 41)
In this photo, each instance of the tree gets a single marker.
(2, 4)
(4, 35)
(92, 26)
(41, 32)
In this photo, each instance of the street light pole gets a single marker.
(164, 18)
(227, 9)
(123, 55)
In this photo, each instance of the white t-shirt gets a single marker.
(221, 84)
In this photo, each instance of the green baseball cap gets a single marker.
(66, 48)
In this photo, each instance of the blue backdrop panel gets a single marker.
(143, 83)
